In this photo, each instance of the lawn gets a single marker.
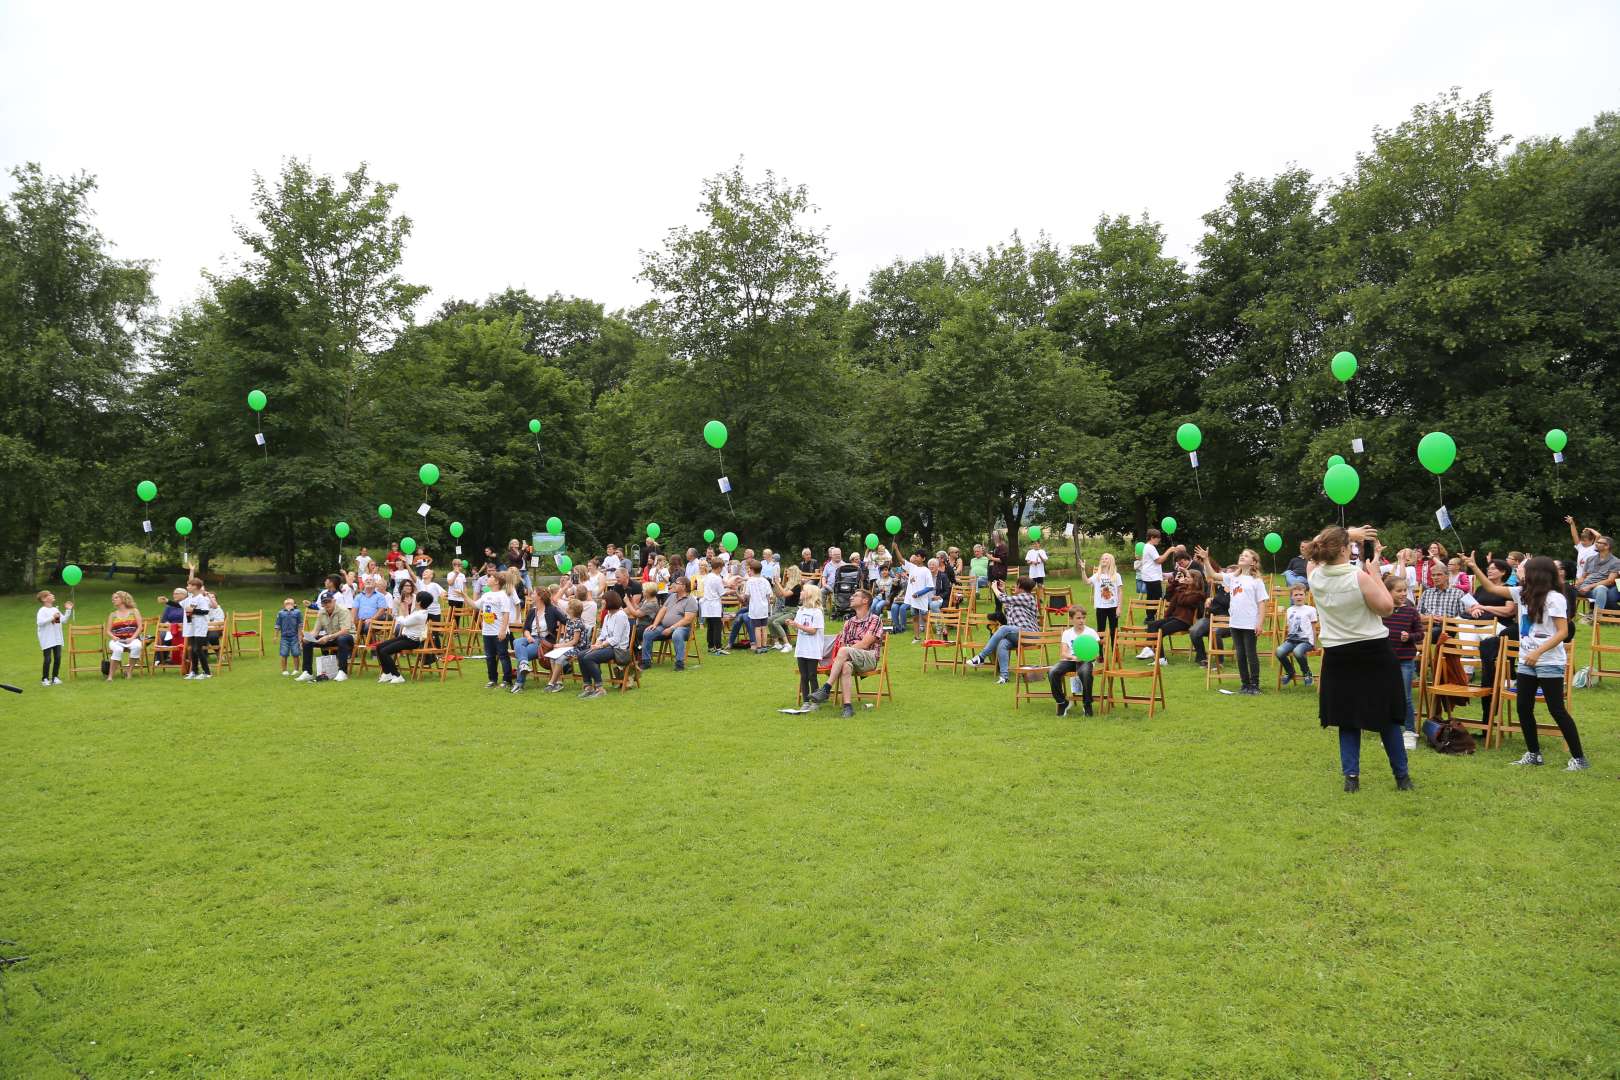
(250, 878)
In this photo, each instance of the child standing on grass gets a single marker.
(48, 624)
(196, 609)
(494, 621)
(711, 608)
(289, 630)
(1300, 639)
(811, 626)
(1248, 593)
(1105, 589)
(1405, 627)
(758, 591)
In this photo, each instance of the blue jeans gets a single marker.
(1605, 596)
(525, 650)
(656, 634)
(740, 624)
(902, 612)
(1350, 750)
(878, 604)
(1294, 647)
(1408, 670)
(590, 664)
(1002, 643)
(1294, 579)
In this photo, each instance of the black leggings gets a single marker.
(807, 676)
(1554, 691)
(53, 662)
(1107, 621)
(716, 627)
(1248, 657)
(197, 650)
(390, 649)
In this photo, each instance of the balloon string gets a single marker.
(1197, 484)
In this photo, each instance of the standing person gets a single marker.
(1106, 586)
(123, 634)
(861, 646)
(1405, 628)
(1543, 626)
(364, 564)
(1151, 575)
(196, 608)
(1247, 591)
(612, 645)
(1361, 688)
(1070, 664)
(1585, 541)
(919, 590)
(811, 644)
(48, 626)
(999, 554)
(289, 626)
(757, 592)
(1036, 558)
(1299, 636)
(1022, 613)
(712, 608)
(495, 622)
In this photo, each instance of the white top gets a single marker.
(593, 585)
(714, 590)
(363, 564)
(401, 574)
(1247, 593)
(1341, 609)
(1036, 557)
(1105, 590)
(387, 601)
(196, 610)
(759, 597)
(1151, 570)
(1583, 553)
(811, 624)
(435, 590)
(919, 586)
(48, 624)
(1301, 622)
(587, 616)
(491, 606)
(691, 570)
(343, 598)
(771, 570)
(611, 564)
(458, 586)
(414, 625)
(615, 630)
(1069, 634)
(216, 615)
(1531, 635)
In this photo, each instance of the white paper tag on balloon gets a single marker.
(1194, 456)
(725, 485)
(458, 549)
(1357, 446)
(259, 438)
(1558, 457)
(1443, 516)
(422, 511)
(1068, 530)
(146, 526)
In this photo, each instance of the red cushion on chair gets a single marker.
(935, 643)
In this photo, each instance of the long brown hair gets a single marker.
(1538, 576)
(1329, 544)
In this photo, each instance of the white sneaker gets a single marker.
(1576, 764)
(976, 661)
(204, 675)
(187, 677)
(47, 682)
(1528, 759)
(1409, 738)
(1001, 680)
(56, 682)
(303, 676)
(1145, 654)
(1164, 661)
(286, 673)
(523, 666)
(385, 677)
(342, 677)
(397, 679)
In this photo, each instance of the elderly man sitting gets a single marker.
(675, 621)
(333, 633)
(860, 647)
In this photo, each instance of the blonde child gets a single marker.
(48, 624)
(289, 632)
(811, 626)
(1105, 589)
(1247, 592)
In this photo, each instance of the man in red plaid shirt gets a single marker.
(859, 645)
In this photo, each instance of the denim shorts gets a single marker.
(1543, 671)
(291, 647)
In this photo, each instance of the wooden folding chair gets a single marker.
(224, 650)
(86, 649)
(439, 647)
(245, 625)
(1215, 668)
(942, 639)
(1459, 642)
(1425, 664)
(881, 688)
(1118, 669)
(1140, 612)
(152, 651)
(1032, 659)
(627, 676)
(972, 635)
(1314, 654)
(1055, 611)
(1506, 710)
(1603, 620)
(378, 630)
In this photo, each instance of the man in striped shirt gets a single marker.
(1023, 613)
(1441, 599)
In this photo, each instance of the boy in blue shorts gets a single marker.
(289, 631)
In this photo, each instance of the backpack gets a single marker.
(1453, 738)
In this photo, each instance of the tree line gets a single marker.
(1477, 281)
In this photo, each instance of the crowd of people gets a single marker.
(1361, 612)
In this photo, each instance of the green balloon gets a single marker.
(1341, 483)
(553, 525)
(1557, 440)
(1273, 542)
(1140, 547)
(1068, 493)
(715, 434)
(257, 401)
(407, 545)
(72, 575)
(708, 536)
(1188, 437)
(1344, 366)
(385, 511)
(429, 474)
(871, 541)
(534, 427)
(653, 530)
(1437, 451)
(456, 529)
(1168, 526)
(342, 530)
(1336, 459)
(729, 541)
(146, 490)
(1034, 532)
(892, 523)
(564, 563)
(183, 526)
(1086, 648)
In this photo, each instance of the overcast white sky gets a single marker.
(545, 145)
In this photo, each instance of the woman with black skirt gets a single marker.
(1361, 679)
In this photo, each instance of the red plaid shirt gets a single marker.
(855, 629)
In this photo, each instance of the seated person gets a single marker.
(674, 622)
(333, 633)
(123, 634)
(858, 648)
(1184, 603)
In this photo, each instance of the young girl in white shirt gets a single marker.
(1105, 589)
(1248, 593)
(48, 625)
(711, 608)
(811, 626)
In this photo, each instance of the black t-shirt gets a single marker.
(1296, 565)
(998, 563)
(809, 566)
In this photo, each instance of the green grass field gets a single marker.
(249, 878)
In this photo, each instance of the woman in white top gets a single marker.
(410, 632)
(1543, 624)
(612, 644)
(1361, 679)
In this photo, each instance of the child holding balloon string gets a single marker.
(48, 626)
(1081, 646)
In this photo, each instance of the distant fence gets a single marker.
(152, 575)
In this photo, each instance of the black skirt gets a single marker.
(1361, 686)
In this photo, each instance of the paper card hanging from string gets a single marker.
(1357, 446)
(259, 438)
(1443, 517)
(1194, 456)
(458, 549)
(725, 485)
(146, 526)
(1558, 457)
(1068, 530)
(422, 511)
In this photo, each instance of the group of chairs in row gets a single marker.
(87, 647)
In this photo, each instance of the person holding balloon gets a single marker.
(48, 627)
(1080, 649)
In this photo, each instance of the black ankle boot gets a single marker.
(1403, 783)
(1352, 783)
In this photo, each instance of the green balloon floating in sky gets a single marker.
(1341, 483)
(1437, 451)
(871, 541)
(1336, 459)
(729, 541)
(1273, 542)
(257, 401)
(146, 491)
(385, 511)
(1168, 526)
(1034, 532)
(1344, 366)
(708, 536)
(715, 434)
(564, 563)
(534, 427)
(892, 523)
(428, 474)
(72, 575)
(1140, 547)
(554, 525)
(653, 529)
(1189, 438)
(342, 530)
(456, 529)
(408, 545)
(1557, 440)
(183, 526)
(1068, 493)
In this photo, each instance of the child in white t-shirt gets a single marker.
(495, 616)
(757, 592)
(48, 625)
(1105, 589)
(1036, 558)
(811, 626)
(1299, 639)
(1069, 663)
(1248, 596)
(712, 609)
(196, 609)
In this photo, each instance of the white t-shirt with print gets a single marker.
(812, 641)
(1247, 593)
(1584, 553)
(435, 590)
(1531, 635)
(919, 586)
(610, 564)
(491, 606)
(196, 609)
(458, 586)
(1036, 557)
(1105, 590)
(1301, 622)
(1152, 570)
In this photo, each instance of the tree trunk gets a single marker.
(1141, 517)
